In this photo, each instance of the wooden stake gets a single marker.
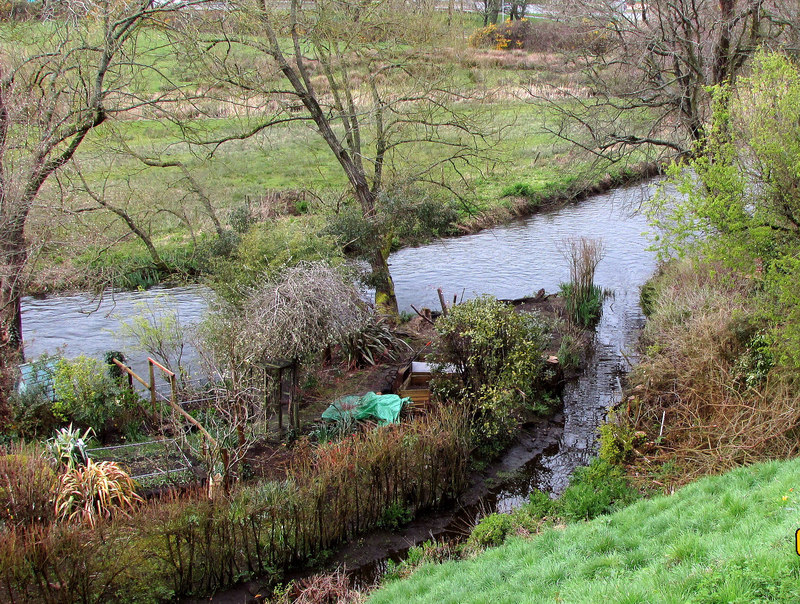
(442, 302)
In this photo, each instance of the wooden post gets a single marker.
(280, 403)
(152, 387)
(173, 382)
(442, 302)
(294, 402)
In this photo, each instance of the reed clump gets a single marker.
(584, 299)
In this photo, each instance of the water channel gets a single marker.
(510, 261)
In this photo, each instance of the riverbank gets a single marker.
(129, 267)
(728, 537)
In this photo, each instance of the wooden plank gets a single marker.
(131, 373)
(160, 366)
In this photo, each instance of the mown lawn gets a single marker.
(728, 538)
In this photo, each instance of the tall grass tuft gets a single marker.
(584, 299)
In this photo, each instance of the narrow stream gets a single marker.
(509, 261)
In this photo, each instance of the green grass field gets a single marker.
(82, 242)
(728, 538)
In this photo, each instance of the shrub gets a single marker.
(497, 354)
(395, 516)
(84, 392)
(491, 531)
(27, 486)
(266, 250)
(509, 35)
(95, 490)
(405, 216)
(539, 504)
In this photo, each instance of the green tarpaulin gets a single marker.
(383, 407)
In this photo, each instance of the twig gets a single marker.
(421, 315)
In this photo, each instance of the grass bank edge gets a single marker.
(722, 538)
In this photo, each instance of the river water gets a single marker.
(509, 261)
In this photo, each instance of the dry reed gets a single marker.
(688, 395)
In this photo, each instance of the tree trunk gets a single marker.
(13, 255)
(494, 10)
(385, 298)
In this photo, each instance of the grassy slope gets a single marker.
(726, 538)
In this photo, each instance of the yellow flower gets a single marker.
(785, 497)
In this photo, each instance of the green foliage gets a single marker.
(583, 306)
(539, 504)
(405, 215)
(497, 354)
(647, 296)
(618, 439)
(753, 365)
(85, 393)
(521, 189)
(598, 488)
(373, 341)
(33, 414)
(569, 356)
(266, 249)
(491, 531)
(395, 516)
(69, 446)
(740, 194)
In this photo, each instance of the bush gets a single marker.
(497, 354)
(509, 35)
(491, 531)
(266, 250)
(539, 504)
(87, 395)
(406, 216)
(395, 516)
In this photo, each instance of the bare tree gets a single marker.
(517, 9)
(365, 76)
(649, 69)
(57, 84)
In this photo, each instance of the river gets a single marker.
(509, 261)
